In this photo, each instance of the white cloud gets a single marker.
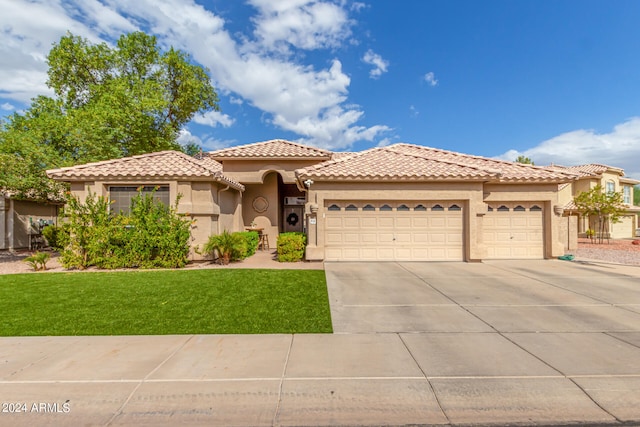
(207, 143)
(304, 24)
(430, 78)
(619, 148)
(294, 96)
(7, 107)
(379, 64)
(213, 118)
(413, 111)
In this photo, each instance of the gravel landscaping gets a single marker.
(615, 251)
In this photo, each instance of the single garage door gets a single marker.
(393, 231)
(514, 231)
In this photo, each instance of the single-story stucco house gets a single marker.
(399, 202)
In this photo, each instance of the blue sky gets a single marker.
(557, 81)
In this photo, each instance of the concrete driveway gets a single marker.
(506, 341)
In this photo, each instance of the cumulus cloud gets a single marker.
(379, 64)
(304, 24)
(206, 143)
(213, 119)
(293, 95)
(430, 78)
(619, 148)
(7, 107)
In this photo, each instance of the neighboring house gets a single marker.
(611, 179)
(400, 202)
(21, 220)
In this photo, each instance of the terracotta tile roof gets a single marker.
(159, 165)
(508, 171)
(591, 169)
(391, 163)
(414, 162)
(341, 154)
(276, 148)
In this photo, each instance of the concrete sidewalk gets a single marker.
(503, 343)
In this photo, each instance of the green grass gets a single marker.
(165, 302)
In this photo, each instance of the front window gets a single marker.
(121, 196)
(627, 194)
(611, 187)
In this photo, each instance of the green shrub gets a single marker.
(57, 237)
(152, 235)
(38, 261)
(227, 246)
(291, 246)
(252, 238)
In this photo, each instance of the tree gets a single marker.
(605, 206)
(109, 102)
(525, 160)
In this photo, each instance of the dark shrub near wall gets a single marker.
(291, 246)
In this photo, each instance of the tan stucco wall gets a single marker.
(267, 220)
(254, 171)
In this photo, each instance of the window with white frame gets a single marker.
(626, 194)
(611, 187)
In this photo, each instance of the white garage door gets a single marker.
(393, 231)
(514, 231)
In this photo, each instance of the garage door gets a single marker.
(393, 231)
(514, 231)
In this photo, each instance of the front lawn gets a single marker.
(165, 302)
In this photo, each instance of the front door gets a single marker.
(292, 218)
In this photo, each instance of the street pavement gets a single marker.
(494, 343)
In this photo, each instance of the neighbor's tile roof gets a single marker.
(587, 170)
(276, 148)
(159, 165)
(414, 162)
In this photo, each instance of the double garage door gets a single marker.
(393, 231)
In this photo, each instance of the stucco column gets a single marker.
(311, 213)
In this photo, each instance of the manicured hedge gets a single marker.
(291, 246)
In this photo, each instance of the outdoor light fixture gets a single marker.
(308, 183)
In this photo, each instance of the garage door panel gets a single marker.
(333, 238)
(351, 238)
(368, 238)
(385, 222)
(368, 222)
(385, 237)
(351, 222)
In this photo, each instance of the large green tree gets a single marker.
(109, 102)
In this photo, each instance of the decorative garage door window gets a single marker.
(394, 207)
(514, 208)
